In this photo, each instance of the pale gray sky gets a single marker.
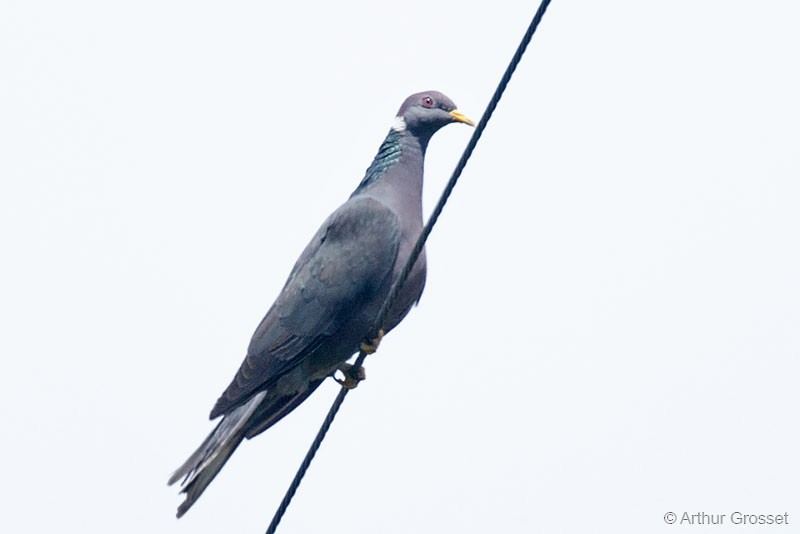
(610, 326)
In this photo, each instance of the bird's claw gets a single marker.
(369, 347)
(352, 376)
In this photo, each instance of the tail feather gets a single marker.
(270, 413)
(202, 466)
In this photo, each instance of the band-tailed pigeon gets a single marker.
(326, 310)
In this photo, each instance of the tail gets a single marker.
(202, 466)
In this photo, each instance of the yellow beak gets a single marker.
(460, 117)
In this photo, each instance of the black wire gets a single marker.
(415, 252)
(312, 451)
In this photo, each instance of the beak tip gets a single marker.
(460, 117)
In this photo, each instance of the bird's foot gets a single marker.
(369, 347)
(352, 376)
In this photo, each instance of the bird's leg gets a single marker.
(352, 376)
(368, 347)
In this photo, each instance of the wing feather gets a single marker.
(341, 273)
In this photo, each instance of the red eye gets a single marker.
(427, 102)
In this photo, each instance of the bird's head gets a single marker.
(424, 113)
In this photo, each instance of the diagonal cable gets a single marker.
(415, 252)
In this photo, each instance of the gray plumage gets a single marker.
(331, 299)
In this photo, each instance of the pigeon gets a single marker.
(326, 311)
